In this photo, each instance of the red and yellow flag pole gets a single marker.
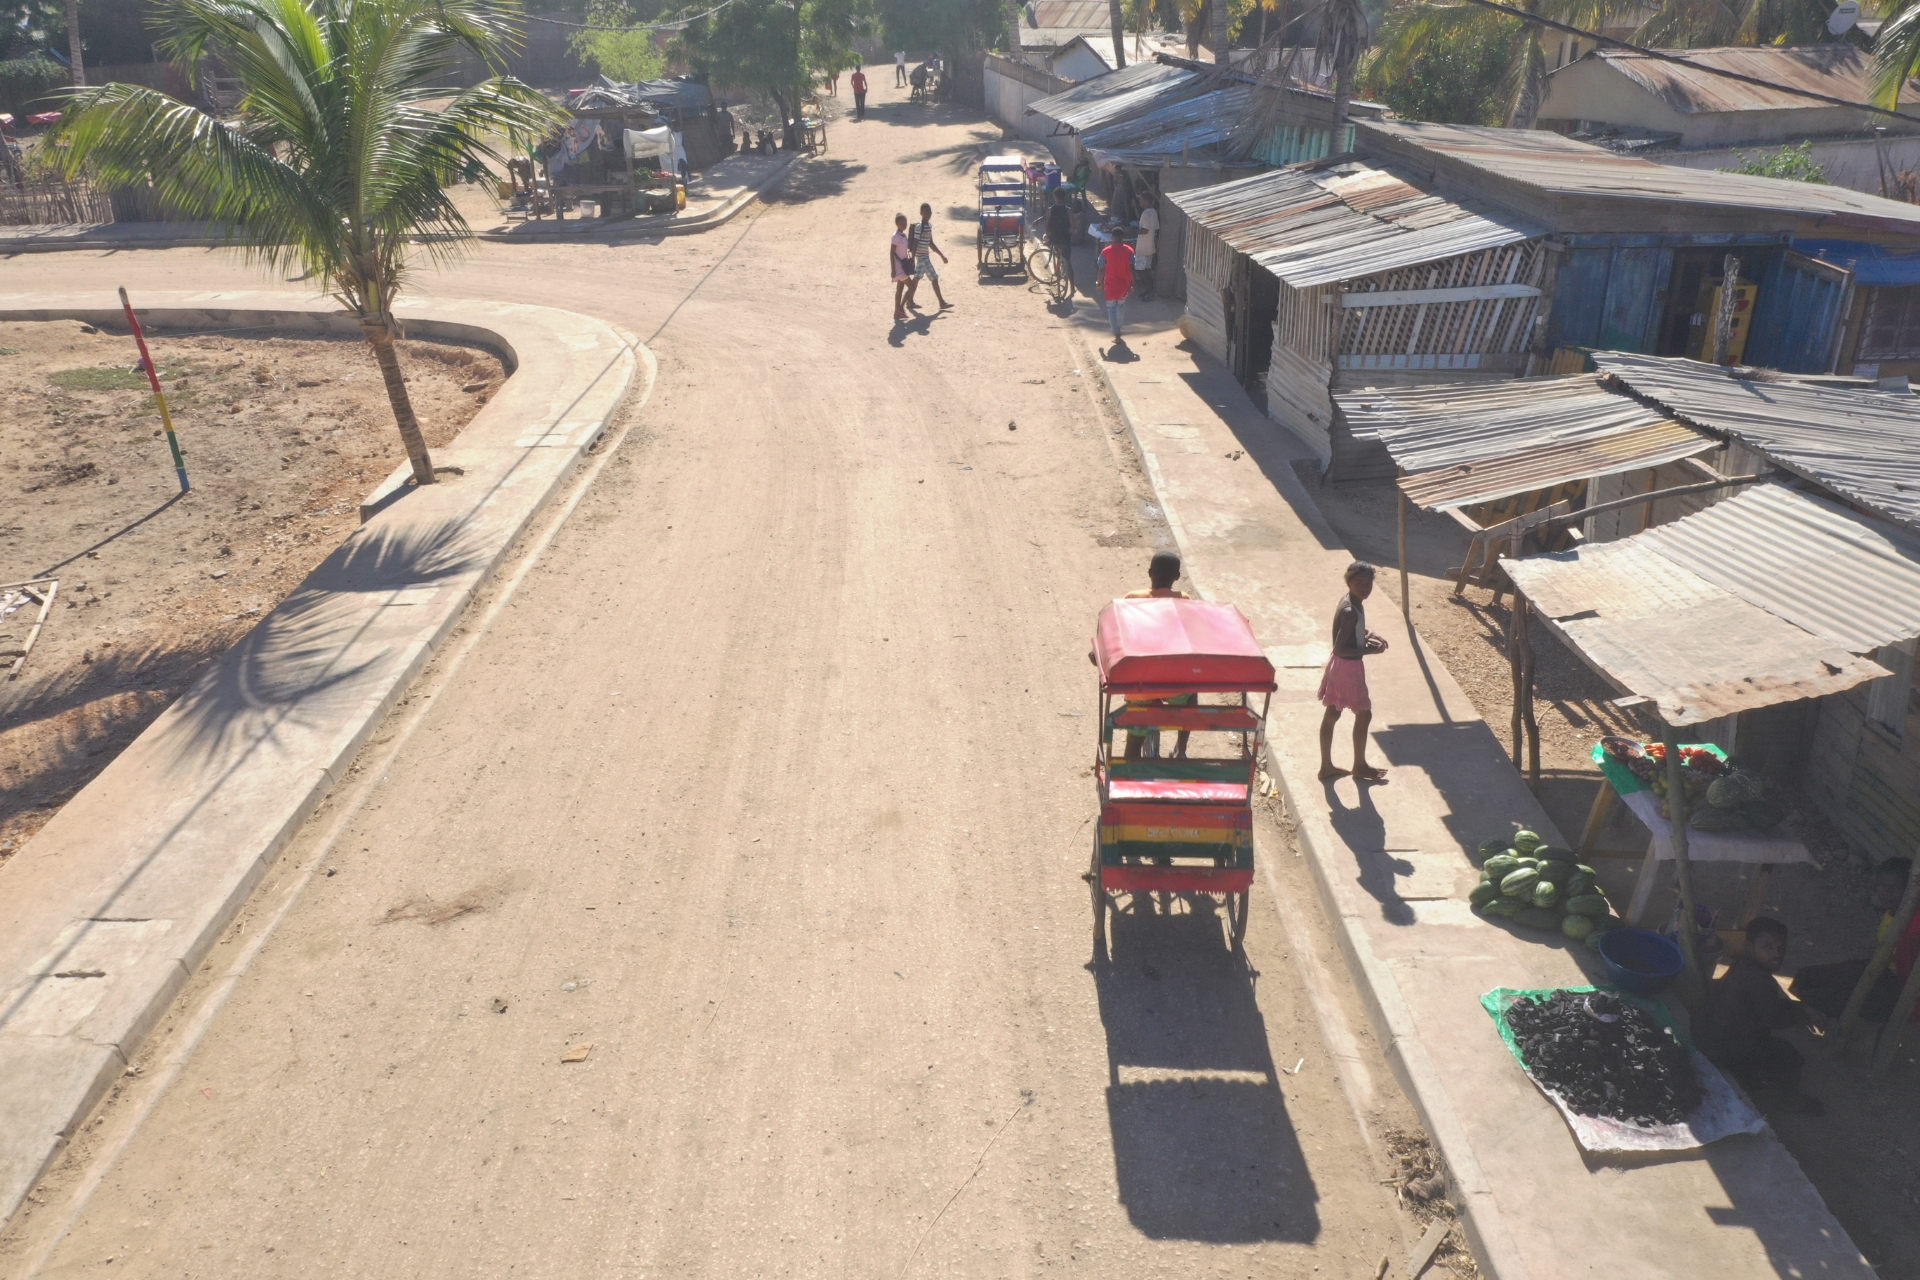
(153, 377)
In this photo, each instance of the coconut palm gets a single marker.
(1896, 52)
(1706, 24)
(1412, 29)
(1344, 37)
(1118, 21)
(335, 160)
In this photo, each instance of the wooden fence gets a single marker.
(54, 203)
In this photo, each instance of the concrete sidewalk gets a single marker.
(110, 908)
(1391, 865)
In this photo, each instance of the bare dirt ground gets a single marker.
(1862, 1153)
(771, 785)
(283, 438)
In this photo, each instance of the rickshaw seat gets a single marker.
(1177, 790)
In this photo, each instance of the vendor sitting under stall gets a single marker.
(1745, 1006)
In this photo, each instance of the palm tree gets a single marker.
(1344, 37)
(1412, 29)
(1704, 24)
(1896, 52)
(1117, 20)
(73, 42)
(335, 162)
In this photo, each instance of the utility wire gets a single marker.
(1660, 56)
(672, 24)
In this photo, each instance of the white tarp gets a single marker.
(658, 141)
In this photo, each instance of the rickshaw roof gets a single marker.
(1004, 162)
(1162, 643)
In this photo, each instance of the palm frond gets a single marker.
(1896, 53)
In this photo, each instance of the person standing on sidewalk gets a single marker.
(1149, 237)
(1343, 686)
(900, 257)
(900, 69)
(859, 83)
(920, 239)
(1116, 267)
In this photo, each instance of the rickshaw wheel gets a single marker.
(1099, 900)
(1237, 907)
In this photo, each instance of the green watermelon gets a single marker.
(1556, 872)
(1592, 905)
(1537, 918)
(1494, 848)
(1526, 841)
(1578, 883)
(1516, 883)
(1545, 893)
(1503, 907)
(1484, 892)
(1498, 866)
(1576, 927)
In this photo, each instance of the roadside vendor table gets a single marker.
(1766, 850)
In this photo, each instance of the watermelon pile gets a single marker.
(1538, 886)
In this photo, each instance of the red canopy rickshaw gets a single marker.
(1177, 824)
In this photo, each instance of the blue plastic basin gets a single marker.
(1640, 960)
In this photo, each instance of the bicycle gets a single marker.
(1045, 269)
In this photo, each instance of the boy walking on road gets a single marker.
(900, 258)
(1343, 687)
(920, 239)
(859, 94)
(1116, 265)
(900, 69)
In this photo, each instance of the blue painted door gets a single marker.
(1796, 315)
(1606, 297)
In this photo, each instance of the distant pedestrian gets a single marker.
(1116, 268)
(1148, 239)
(859, 94)
(900, 69)
(1343, 686)
(920, 239)
(900, 258)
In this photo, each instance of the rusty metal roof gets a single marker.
(1483, 481)
(1837, 70)
(1116, 95)
(1176, 129)
(1862, 445)
(1349, 220)
(1560, 166)
(1084, 14)
(1662, 631)
(1848, 578)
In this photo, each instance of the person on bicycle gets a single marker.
(1060, 236)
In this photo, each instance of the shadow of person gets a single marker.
(1203, 1147)
(1364, 832)
(901, 328)
(1119, 353)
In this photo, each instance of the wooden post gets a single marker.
(1723, 314)
(159, 396)
(1646, 508)
(1516, 642)
(1522, 616)
(1406, 601)
(1693, 991)
(1603, 801)
(1881, 958)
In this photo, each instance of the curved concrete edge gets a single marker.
(1480, 1216)
(114, 904)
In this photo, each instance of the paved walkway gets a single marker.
(1390, 862)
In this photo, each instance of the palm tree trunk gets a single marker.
(378, 331)
(73, 42)
(1013, 30)
(1217, 19)
(1119, 34)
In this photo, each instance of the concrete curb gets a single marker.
(690, 226)
(1480, 1216)
(107, 912)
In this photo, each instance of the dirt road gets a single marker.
(770, 785)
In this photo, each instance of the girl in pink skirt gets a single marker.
(1343, 687)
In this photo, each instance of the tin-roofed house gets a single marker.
(1631, 257)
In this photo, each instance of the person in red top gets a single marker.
(859, 94)
(1116, 267)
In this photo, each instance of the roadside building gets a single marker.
(1450, 253)
(1679, 115)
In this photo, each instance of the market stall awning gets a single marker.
(1462, 444)
(1186, 129)
(1662, 631)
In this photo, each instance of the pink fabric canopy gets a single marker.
(1166, 644)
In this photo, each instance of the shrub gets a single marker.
(24, 81)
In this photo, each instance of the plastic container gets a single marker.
(1640, 960)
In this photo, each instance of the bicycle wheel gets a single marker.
(1062, 286)
(1041, 267)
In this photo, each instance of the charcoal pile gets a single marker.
(1605, 1057)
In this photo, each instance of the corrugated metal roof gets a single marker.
(1663, 632)
(1548, 162)
(1837, 70)
(1547, 465)
(1165, 133)
(1863, 445)
(1847, 578)
(1354, 219)
(1068, 13)
(1117, 94)
(1444, 425)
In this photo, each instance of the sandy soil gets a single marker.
(283, 437)
(771, 784)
